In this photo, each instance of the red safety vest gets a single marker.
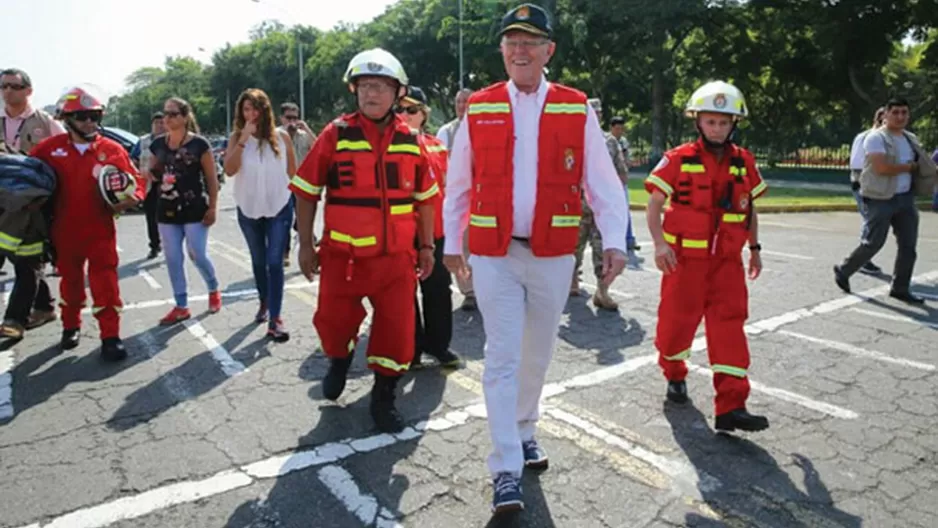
(372, 189)
(439, 163)
(561, 139)
(710, 212)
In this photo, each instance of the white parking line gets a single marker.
(857, 351)
(6, 384)
(145, 275)
(929, 296)
(791, 397)
(236, 294)
(229, 365)
(343, 487)
(786, 255)
(894, 317)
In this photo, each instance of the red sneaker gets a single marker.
(176, 315)
(214, 301)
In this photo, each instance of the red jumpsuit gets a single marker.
(373, 182)
(707, 225)
(83, 228)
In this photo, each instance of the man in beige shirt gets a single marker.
(303, 139)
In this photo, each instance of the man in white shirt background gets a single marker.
(857, 159)
(523, 229)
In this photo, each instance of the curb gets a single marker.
(802, 208)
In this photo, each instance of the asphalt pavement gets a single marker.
(209, 424)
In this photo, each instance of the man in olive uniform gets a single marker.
(588, 230)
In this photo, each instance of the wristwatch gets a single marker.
(755, 247)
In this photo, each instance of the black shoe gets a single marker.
(843, 282)
(383, 412)
(677, 391)
(742, 420)
(153, 254)
(334, 382)
(70, 338)
(871, 269)
(908, 297)
(448, 359)
(112, 349)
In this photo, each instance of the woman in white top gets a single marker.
(261, 161)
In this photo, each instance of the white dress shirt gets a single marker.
(857, 153)
(601, 183)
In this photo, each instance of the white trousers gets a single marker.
(521, 298)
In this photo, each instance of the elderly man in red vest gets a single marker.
(522, 206)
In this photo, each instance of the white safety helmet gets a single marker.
(378, 62)
(719, 97)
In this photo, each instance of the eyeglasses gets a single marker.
(412, 110)
(11, 86)
(87, 115)
(374, 87)
(170, 114)
(523, 43)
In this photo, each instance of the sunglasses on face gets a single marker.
(11, 86)
(171, 114)
(87, 115)
(412, 110)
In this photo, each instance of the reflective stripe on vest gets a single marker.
(687, 242)
(436, 148)
(353, 146)
(489, 108)
(356, 242)
(692, 168)
(564, 108)
(405, 149)
(482, 221)
(738, 171)
(734, 218)
(565, 221)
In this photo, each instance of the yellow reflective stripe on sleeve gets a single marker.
(565, 221)
(436, 148)
(305, 186)
(9, 243)
(389, 364)
(759, 189)
(356, 242)
(565, 108)
(730, 370)
(686, 242)
(489, 108)
(738, 171)
(680, 356)
(695, 168)
(429, 193)
(351, 346)
(661, 184)
(345, 144)
(482, 221)
(29, 250)
(406, 149)
(732, 218)
(402, 209)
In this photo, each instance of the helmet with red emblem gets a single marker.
(82, 109)
(80, 98)
(115, 185)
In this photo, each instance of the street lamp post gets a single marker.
(227, 104)
(460, 47)
(299, 57)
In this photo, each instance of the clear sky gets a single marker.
(65, 42)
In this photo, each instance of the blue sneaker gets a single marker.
(507, 494)
(534, 456)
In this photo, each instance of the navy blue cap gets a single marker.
(529, 18)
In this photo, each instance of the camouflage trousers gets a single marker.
(589, 232)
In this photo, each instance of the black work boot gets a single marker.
(70, 338)
(334, 382)
(677, 391)
(112, 349)
(383, 411)
(742, 420)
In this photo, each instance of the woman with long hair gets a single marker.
(261, 160)
(184, 168)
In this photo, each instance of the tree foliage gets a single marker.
(813, 71)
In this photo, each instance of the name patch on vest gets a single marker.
(491, 122)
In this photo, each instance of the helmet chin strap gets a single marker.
(87, 136)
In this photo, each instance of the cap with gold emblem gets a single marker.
(529, 18)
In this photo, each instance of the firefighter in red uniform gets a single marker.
(711, 184)
(83, 227)
(374, 174)
(434, 325)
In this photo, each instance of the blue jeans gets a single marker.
(196, 237)
(267, 240)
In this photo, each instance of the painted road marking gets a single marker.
(364, 506)
(6, 384)
(861, 352)
(229, 365)
(786, 255)
(145, 275)
(899, 318)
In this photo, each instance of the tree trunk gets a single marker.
(657, 115)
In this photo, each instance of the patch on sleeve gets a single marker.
(662, 163)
